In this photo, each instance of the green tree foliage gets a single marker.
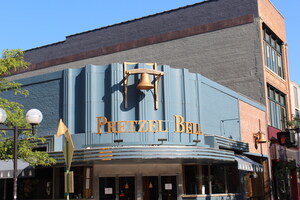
(295, 123)
(11, 61)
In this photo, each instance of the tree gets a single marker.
(11, 61)
(294, 123)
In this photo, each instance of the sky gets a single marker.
(33, 23)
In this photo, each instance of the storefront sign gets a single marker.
(141, 126)
(108, 191)
(168, 186)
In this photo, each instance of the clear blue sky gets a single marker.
(33, 23)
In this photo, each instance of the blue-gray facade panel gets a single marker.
(79, 96)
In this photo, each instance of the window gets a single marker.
(196, 179)
(218, 179)
(215, 179)
(277, 108)
(233, 177)
(82, 183)
(296, 97)
(273, 52)
(297, 113)
(38, 188)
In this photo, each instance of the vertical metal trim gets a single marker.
(88, 103)
(198, 81)
(142, 104)
(185, 97)
(68, 99)
(114, 103)
(166, 98)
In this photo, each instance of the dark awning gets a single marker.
(7, 169)
(246, 164)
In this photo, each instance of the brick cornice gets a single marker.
(144, 42)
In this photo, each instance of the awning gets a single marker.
(246, 164)
(7, 169)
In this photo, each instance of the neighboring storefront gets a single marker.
(284, 157)
(177, 136)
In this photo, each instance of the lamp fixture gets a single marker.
(145, 82)
(126, 186)
(150, 185)
(253, 175)
(259, 137)
(33, 117)
(3, 115)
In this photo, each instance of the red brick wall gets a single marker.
(272, 18)
(275, 21)
(252, 120)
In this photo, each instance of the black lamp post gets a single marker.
(33, 117)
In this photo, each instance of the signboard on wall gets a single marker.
(181, 126)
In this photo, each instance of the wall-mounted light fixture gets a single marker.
(145, 82)
(259, 137)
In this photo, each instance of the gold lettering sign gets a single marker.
(141, 126)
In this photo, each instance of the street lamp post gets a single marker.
(33, 117)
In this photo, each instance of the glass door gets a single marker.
(107, 187)
(150, 188)
(112, 188)
(169, 188)
(126, 188)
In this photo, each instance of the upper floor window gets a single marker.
(277, 108)
(296, 97)
(273, 53)
(297, 113)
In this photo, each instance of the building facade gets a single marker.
(184, 139)
(240, 44)
(295, 99)
(284, 153)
